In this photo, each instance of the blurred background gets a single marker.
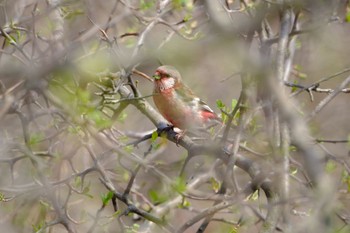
(72, 102)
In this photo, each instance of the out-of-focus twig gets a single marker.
(329, 98)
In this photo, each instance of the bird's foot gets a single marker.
(164, 127)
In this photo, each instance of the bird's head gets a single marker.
(166, 77)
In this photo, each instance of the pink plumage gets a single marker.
(177, 103)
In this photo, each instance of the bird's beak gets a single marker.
(156, 77)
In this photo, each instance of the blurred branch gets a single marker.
(315, 88)
(57, 24)
(331, 141)
(329, 98)
(212, 210)
(14, 43)
(317, 83)
(284, 54)
(135, 71)
(45, 141)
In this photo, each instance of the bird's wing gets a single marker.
(205, 107)
(186, 95)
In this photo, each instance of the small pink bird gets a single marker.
(177, 103)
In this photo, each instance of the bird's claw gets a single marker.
(166, 128)
(163, 127)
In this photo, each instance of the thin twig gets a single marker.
(329, 98)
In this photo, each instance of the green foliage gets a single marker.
(184, 204)
(157, 197)
(21, 37)
(64, 88)
(100, 120)
(78, 183)
(294, 171)
(187, 31)
(294, 88)
(16, 37)
(106, 198)
(156, 146)
(129, 148)
(233, 229)
(298, 44)
(35, 138)
(44, 204)
(130, 42)
(97, 63)
(299, 72)
(38, 227)
(222, 107)
(215, 184)
(233, 103)
(253, 124)
(187, 17)
(330, 166)
(347, 17)
(345, 229)
(122, 117)
(76, 130)
(78, 101)
(292, 148)
(86, 191)
(134, 229)
(179, 184)
(154, 136)
(9, 40)
(83, 96)
(39, 224)
(227, 110)
(70, 13)
(116, 214)
(126, 176)
(227, 228)
(188, 4)
(220, 104)
(346, 179)
(145, 5)
(254, 196)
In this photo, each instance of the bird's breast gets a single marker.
(172, 108)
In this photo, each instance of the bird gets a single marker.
(177, 102)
